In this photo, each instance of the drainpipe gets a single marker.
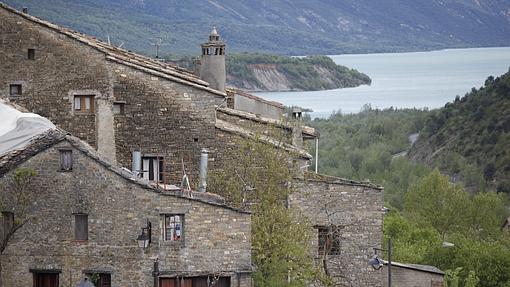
(136, 163)
(317, 155)
(203, 170)
(155, 273)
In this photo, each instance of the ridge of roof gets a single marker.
(253, 97)
(257, 118)
(317, 177)
(123, 56)
(50, 138)
(231, 128)
(419, 267)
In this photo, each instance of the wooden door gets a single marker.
(46, 280)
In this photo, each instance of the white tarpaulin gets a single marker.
(17, 128)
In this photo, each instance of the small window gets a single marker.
(46, 280)
(100, 279)
(15, 90)
(81, 226)
(84, 104)
(173, 227)
(118, 108)
(66, 160)
(7, 223)
(329, 240)
(31, 54)
(152, 168)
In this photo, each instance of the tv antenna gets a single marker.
(158, 44)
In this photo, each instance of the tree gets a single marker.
(259, 177)
(16, 203)
(438, 203)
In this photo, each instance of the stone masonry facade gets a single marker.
(355, 209)
(163, 112)
(216, 238)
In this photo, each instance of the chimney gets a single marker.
(297, 129)
(203, 170)
(136, 163)
(25, 10)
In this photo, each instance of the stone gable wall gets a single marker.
(216, 239)
(356, 210)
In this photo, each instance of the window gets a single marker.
(46, 279)
(100, 279)
(7, 223)
(203, 281)
(329, 240)
(173, 227)
(31, 54)
(81, 227)
(152, 168)
(84, 104)
(66, 160)
(118, 108)
(15, 90)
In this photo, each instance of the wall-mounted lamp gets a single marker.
(377, 262)
(144, 239)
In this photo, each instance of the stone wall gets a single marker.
(161, 117)
(405, 277)
(216, 238)
(356, 210)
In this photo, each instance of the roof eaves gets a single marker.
(231, 128)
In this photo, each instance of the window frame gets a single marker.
(31, 54)
(37, 276)
(19, 87)
(62, 153)
(82, 103)
(158, 170)
(84, 220)
(122, 108)
(329, 234)
(103, 276)
(166, 224)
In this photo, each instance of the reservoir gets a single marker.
(404, 80)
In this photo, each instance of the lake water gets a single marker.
(404, 80)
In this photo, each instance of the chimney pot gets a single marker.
(25, 10)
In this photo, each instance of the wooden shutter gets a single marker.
(46, 280)
(66, 160)
(167, 282)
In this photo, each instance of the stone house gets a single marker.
(120, 103)
(89, 213)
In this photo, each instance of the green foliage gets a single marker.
(368, 145)
(306, 73)
(472, 136)
(259, 176)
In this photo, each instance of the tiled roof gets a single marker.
(122, 56)
(307, 131)
(232, 92)
(309, 176)
(231, 128)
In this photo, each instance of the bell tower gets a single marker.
(212, 62)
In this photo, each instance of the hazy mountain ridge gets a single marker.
(293, 27)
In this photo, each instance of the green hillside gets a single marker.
(474, 129)
(285, 27)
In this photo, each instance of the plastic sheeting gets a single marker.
(18, 128)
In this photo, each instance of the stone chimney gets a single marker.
(212, 62)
